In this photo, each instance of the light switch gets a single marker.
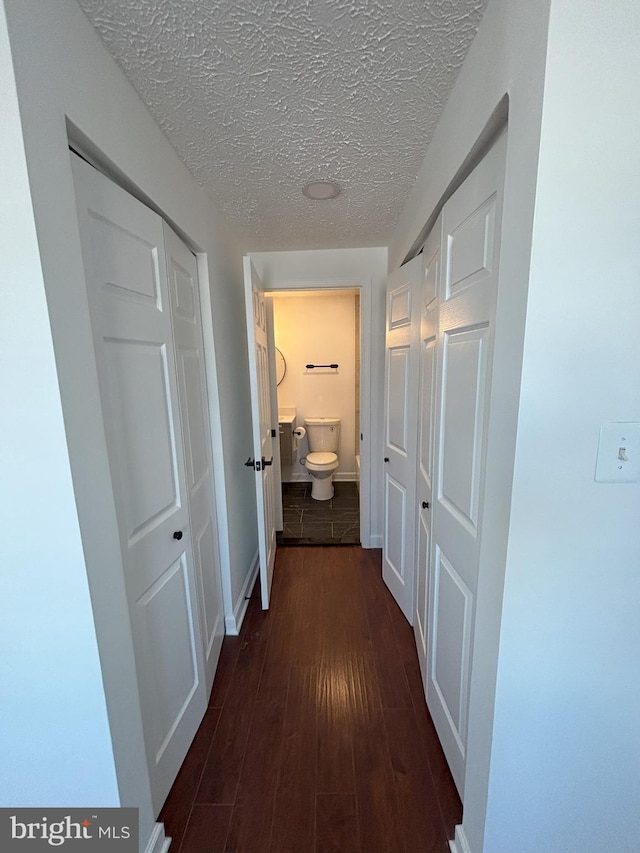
(618, 458)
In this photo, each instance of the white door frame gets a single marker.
(366, 421)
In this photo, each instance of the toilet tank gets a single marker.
(323, 434)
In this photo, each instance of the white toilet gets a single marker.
(322, 460)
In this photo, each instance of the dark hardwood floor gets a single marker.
(317, 738)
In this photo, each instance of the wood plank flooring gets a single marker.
(317, 738)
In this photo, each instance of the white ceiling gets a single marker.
(258, 97)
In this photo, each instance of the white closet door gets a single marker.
(400, 430)
(129, 302)
(194, 408)
(426, 437)
(470, 254)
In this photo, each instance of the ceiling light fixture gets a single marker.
(321, 190)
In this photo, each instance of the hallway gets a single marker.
(317, 737)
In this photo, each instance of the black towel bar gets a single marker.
(311, 366)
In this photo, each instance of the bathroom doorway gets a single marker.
(317, 335)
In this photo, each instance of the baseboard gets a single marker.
(340, 477)
(298, 477)
(459, 843)
(158, 842)
(234, 623)
(375, 540)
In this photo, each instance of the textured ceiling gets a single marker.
(258, 97)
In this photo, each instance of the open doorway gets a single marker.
(317, 335)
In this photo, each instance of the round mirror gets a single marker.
(281, 366)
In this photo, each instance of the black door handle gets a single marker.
(386, 458)
(266, 462)
(177, 535)
(250, 463)
(425, 504)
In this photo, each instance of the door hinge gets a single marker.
(273, 433)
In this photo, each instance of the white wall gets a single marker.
(554, 751)
(565, 773)
(367, 269)
(506, 62)
(55, 744)
(319, 330)
(63, 73)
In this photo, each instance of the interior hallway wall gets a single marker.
(555, 768)
(568, 695)
(64, 74)
(503, 74)
(319, 329)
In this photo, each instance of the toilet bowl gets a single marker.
(322, 459)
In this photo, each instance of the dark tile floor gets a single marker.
(317, 738)
(311, 522)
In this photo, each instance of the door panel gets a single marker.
(467, 288)
(143, 439)
(423, 566)
(169, 643)
(401, 418)
(192, 380)
(470, 249)
(396, 502)
(261, 423)
(399, 398)
(205, 544)
(123, 250)
(400, 306)
(450, 647)
(182, 272)
(464, 384)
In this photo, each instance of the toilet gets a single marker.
(322, 460)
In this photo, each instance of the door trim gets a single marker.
(367, 540)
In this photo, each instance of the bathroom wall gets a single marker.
(319, 329)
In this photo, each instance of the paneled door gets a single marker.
(261, 422)
(184, 297)
(426, 435)
(126, 274)
(468, 284)
(402, 358)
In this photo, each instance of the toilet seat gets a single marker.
(321, 460)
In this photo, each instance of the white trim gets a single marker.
(459, 843)
(234, 623)
(158, 842)
(375, 541)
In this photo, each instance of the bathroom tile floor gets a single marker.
(311, 522)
